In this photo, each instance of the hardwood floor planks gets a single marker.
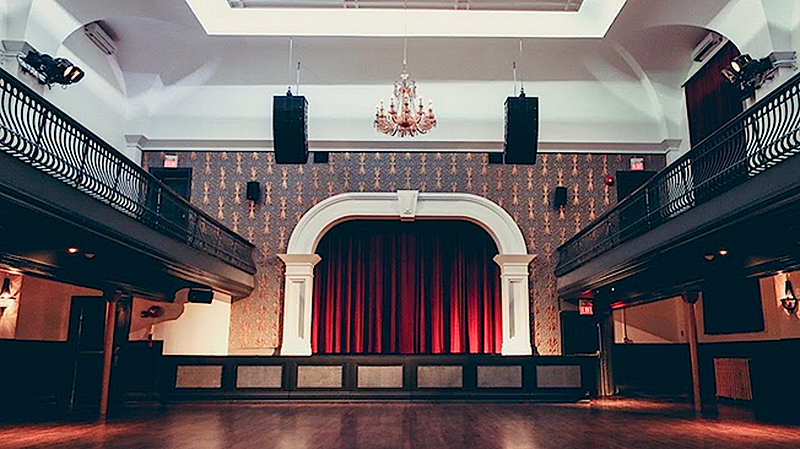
(615, 423)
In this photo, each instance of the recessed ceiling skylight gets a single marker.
(592, 20)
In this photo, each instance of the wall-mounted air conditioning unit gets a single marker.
(99, 37)
(707, 46)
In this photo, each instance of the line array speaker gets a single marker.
(290, 129)
(521, 130)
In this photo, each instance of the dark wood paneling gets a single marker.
(36, 378)
(656, 369)
(350, 390)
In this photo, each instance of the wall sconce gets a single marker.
(6, 298)
(789, 302)
(153, 312)
(49, 70)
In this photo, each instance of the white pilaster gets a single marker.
(297, 303)
(516, 307)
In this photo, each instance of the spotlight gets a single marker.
(749, 74)
(740, 62)
(49, 70)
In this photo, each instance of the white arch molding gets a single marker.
(406, 205)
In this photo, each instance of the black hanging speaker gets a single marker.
(560, 197)
(290, 129)
(522, 130)
(202, 295)
(253, 191)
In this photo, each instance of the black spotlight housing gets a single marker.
(49, 70)
(747, 73)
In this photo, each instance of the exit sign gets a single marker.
(585, 307)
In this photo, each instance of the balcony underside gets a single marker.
(756, 221)
(41, 216)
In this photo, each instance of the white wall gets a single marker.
(570, 111)
(202, 329)
(778, 324)
(657, 322)
(665, 321)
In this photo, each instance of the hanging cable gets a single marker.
(521, 79)
(289, 65)
(297, 89)
(405, 34)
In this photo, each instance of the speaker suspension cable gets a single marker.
(521, 79)
(289, 65)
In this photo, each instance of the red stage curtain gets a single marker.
(710, 99)
(406, 288)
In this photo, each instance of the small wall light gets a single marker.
(789, 302)
(6, 297)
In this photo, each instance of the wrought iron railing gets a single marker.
(755, 140)
(39, 134)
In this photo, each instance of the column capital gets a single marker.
(514, 264)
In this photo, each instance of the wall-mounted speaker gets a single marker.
(560, 197)
(253, 191)
(202, 295)
(495, 158)
(290, 129)
(321, 157)
(521, 130)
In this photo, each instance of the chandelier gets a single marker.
(406, 116)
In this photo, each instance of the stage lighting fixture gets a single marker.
(49, 70)
(749, 74)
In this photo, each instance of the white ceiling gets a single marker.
(624, 82)
(164, 37)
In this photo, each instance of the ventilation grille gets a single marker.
(732, 377)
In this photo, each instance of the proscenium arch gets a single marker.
(407, 205)
(431, 206)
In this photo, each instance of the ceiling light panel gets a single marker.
(477, 5)
(586, 19)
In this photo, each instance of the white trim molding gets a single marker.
(406, 205)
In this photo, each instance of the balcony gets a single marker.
(739, 187)
(62, 184)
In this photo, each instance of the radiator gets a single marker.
(732, 377)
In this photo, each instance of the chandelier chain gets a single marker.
(406, 116)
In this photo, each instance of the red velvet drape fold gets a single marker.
(406, 288)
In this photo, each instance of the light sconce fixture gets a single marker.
(749, 74)
(6, 297)
(789, 302)
(49, 70)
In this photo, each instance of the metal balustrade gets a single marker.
(754, 141)
(39, 134)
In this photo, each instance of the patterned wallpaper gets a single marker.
(288, 191)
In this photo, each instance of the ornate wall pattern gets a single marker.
(219, 180)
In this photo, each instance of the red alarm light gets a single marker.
(609, 180)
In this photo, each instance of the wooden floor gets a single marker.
(614, 424)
